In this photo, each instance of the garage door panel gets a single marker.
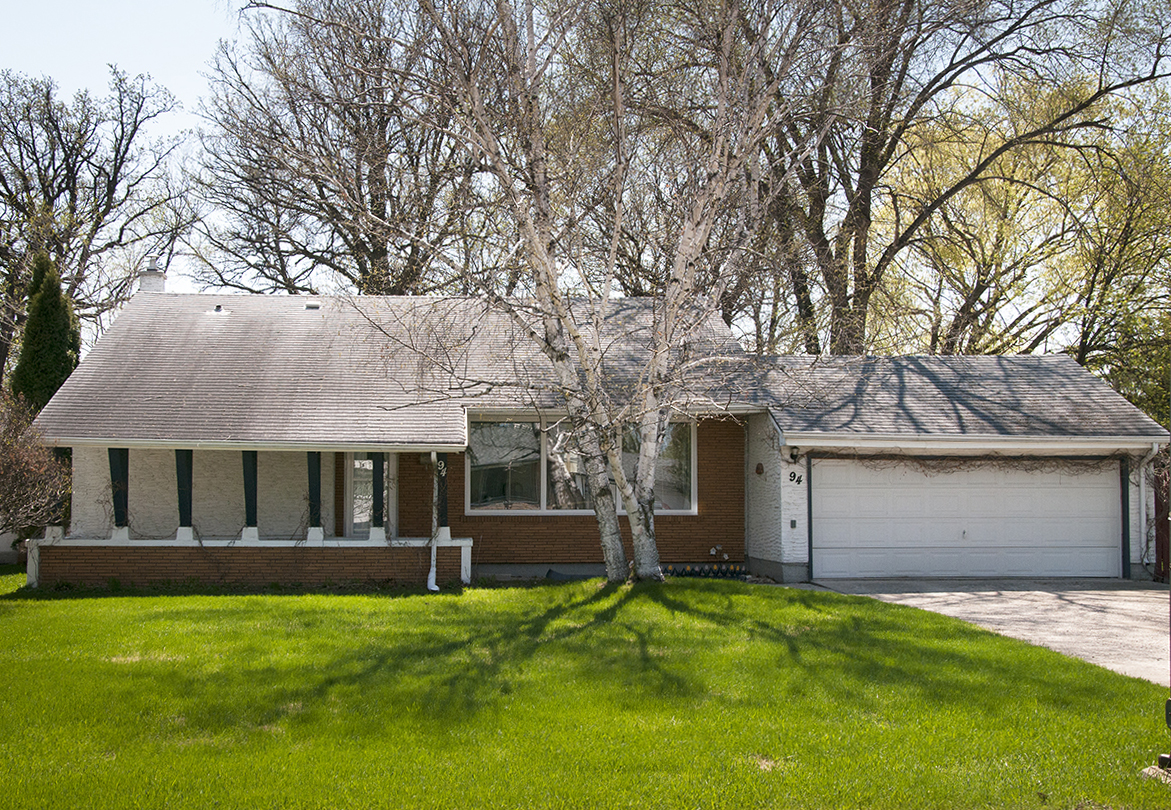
(915, 533)
(847, 535)
(942, 502)
(983, 502)
(998, 533)
(870, 503)
(1092, 505)
(982, 563)
(1020, 503)
(875, 563)
(835, 563)
(837, 474)
(897, 521)
(908, 504)
(1088, 532)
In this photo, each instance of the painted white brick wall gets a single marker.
(217, 492)
(153, 499)
(794, 509)
(217, 497)
(92, 511)
(763, 492)
(777, 514)
(282, 493)
(1139, 538)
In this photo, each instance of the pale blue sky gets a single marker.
(72, 41)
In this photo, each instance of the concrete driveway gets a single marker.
(1118, 624)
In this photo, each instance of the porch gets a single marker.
(256, 516)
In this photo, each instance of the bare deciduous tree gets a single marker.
(592, 118)
(317, 165)
(79, 182)
(33, 482)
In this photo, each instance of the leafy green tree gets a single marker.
(52, 338)
(909, 70)
(1064, 247)
(1138, 365)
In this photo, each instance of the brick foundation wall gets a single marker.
(526, 538)
(97, 565)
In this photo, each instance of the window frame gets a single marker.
(540, 474)
(544, 424)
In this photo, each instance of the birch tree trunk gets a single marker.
(585, 121)
(534, 53)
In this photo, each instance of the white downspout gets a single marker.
(1142, 502)
(431, 584)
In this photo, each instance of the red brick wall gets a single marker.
(516, 538)
(519, 538)
(96, 565)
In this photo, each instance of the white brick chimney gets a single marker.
(152, 279)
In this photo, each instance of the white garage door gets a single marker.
(895, 520)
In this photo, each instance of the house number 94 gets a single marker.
(796, 479)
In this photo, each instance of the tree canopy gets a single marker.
(80, 182)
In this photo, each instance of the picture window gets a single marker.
(535, 467)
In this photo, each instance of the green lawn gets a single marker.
(689, 694)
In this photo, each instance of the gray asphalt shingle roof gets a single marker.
(1035, 396)
(262, 370)
(317, 371)
(299, 371)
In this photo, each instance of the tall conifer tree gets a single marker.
(52, 338)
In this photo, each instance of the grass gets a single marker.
(689, 694)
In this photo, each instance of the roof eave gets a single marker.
(972, 444)
(276, 446)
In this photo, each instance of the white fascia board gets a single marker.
(512, 414)
(972, 445)
(180, 444)
(732, 409)
(534, 414)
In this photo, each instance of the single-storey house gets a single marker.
(313, 439)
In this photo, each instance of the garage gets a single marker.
(894, 518)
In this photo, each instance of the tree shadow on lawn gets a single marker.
(881, 647)
(428, 671)
(460, 660)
